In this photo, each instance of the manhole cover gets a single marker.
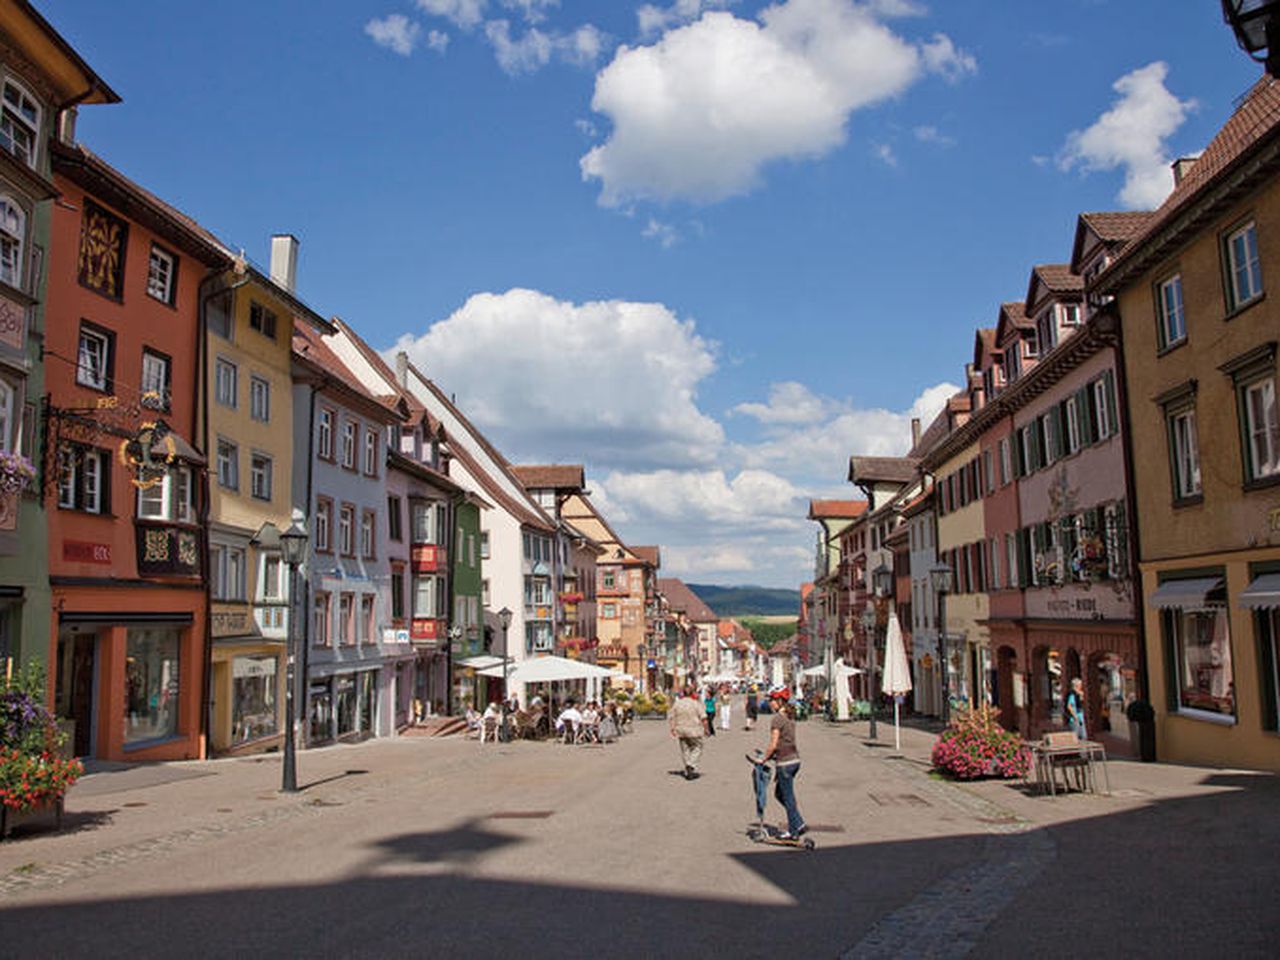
(521, 815)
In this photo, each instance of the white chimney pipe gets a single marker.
(284, 260)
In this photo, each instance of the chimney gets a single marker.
(284, 260)
(915, 432)
(1182, 166)
(402, 368)
(67, 126)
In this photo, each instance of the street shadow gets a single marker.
(72, 823)
(1187, 876)
(331, 779)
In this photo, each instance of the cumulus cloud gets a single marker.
(438, 41)
(653, 20)
(827, 444)
(755, 499)
(884, 153)
(536, 47)
(1132, 135)
(464, 13)
(698, 114)
(613, 378)
(396, 32)
(931, 134)
(789, 402)
(664, 233)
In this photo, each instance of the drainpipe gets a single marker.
(452, 602)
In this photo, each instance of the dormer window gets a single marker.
(1046, 331)
(1030, 344)
(1071, 315)
(20, 124)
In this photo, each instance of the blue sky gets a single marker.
(708, 248)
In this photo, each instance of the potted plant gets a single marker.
(16, 473)
(34, 774)
(976, 746)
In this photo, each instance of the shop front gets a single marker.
(247, 684)
(343, 706)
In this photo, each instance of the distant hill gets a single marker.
(748, 601)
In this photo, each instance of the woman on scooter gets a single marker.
(782, 751)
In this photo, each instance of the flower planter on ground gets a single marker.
(48, 811)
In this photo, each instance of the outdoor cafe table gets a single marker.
(1051, 756)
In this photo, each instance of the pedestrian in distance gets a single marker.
(753, 707)
(685, 719)
(786, 760)
(724, 708)
(709, 703)
(1075, 709)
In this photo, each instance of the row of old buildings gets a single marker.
(1102, 498)
(173, 416)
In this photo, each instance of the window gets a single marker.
(228, 465)
(226, 381)
(368, 622)
(324, 524)
(262, 319)
(1173, 323)
(1006, 468)
(1104, 407)
(83, 474)
(170, 499)
(272, 574)
(346, 618)
(162, 275)
(320, 620)
(1050, 437)
(226, 572)
(8, 440)
(93, 363)
(1200, 655)
(324, 434)
(20, 124)
(609, 611)
(394, 519)
(155, 380)
(1011, 560)
(346, 530)
(993, 572)
(1244, 273)
(1185, 449)
(428, 598)
(1047, 330)
(13, 231)
(152, 683)
(371, 453)
(484, 544)
(1072, 412)
(1261, 429)
(259, 399)
(988, 475)
(397, 593)
(484, 592)
(349, 444)
(1268, 631)
(260, 476)
(368, 533)
(1070, 314)
(1030, 344)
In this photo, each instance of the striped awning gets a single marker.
(1196, 593)
(1263, 593)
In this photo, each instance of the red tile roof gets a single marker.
(1057, 279)
(310, 349)
(650, 555)
(882, 469)
(1254, 125)
(836, 509)
(681, 598)
(552, 476)
(1013, 316)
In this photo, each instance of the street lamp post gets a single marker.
(293, 544)
(869, 631)
(882, 582)
(504, 618)
(940, 576)
(455, 634)
(1256, 24)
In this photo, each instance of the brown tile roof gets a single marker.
(1255, 124)
(650, 555)
(568, 476)
(882, 469)
(1057, 279)
(933, 435)
(984, 344)
(417, 412)
(680, 597)
(1117, 226)
(310, 350)
(836, 509)
(1013, 316)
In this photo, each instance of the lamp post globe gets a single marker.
(293, 546)
(941, 579)
(1256, 24)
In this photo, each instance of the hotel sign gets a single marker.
(425, 630)
(426, 558)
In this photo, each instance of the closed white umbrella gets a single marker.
(897, 675)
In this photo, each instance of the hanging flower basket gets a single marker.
(16, 473)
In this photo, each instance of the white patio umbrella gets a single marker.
(549, 669)
(897, 675)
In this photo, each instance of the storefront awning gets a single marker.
(1263, 593)
(1196, 593)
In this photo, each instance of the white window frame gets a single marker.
(1169, 306)
(346, 618)
(1006, 464)
(324, 437)
(155, 380)
(259, 398)
(1073, 425)
(346, 529)
(1245, 279)
(1262, 439)
(271, 582)
(349, 432)
(261, 480)
(370, 452)
(227, 569)
(226, 382)
(15, 113)
(1186, 453)
(1102, 409)
(170, 500)
(324, 520)
(320, 619)
(161, 271)
(92, 341)
(368, 534)
(13, 236)
(228, 464)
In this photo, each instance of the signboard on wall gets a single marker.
(426, 558)
(425, 630)
(82, 551)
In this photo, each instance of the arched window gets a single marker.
(20, 123)
(13, 223)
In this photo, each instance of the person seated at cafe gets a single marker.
(569, 720)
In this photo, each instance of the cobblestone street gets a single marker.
(446, 848)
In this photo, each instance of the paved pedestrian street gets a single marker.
(444, 847)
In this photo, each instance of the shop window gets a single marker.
(253, 698)
(1198, 643)
(152, 684)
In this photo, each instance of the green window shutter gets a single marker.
(1019, 455)
(1055, 432)
(1113, 413)
(1024, 557)
(1034, 462)
(1122, 540)
(1088, 416)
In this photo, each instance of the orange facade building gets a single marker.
(126, 499)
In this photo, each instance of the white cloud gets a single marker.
(1132, 135)
(536, 47)
(613, 380)
(665, 233)
(699, 114)
(465, 13)
(753, 499)
(653, 20)
(942, 57)
(897, 8)
(534, 11)
(396, 32)
(586, 128)
(931, 134)
(789, 402)
(438, 41)
(884, 153)
(828, 444)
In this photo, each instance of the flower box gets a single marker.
(46, 810)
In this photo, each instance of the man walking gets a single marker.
(686, 721)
